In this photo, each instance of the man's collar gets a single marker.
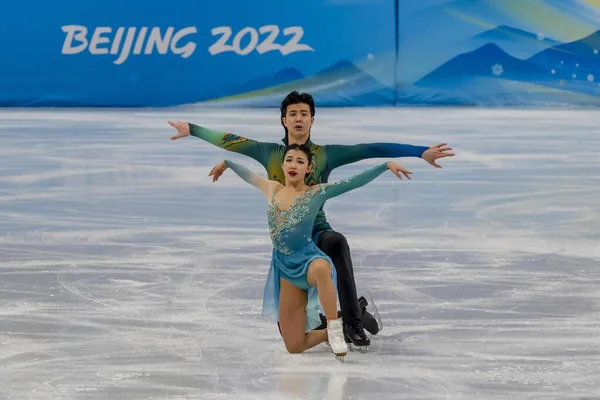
(309, 143)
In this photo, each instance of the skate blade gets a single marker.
(375, 312)
(340, 358)
(360, 349)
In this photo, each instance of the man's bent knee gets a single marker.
(338, 240)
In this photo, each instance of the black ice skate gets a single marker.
(355, 334)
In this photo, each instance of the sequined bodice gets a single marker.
(291, 229)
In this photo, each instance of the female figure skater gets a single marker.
(301, 274)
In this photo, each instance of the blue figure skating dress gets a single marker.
(291, 234)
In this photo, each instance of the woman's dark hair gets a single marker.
(295, 98)
(301, 147)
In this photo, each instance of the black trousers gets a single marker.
(335, 245)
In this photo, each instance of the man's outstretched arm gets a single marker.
(227, 141)
(338, 155)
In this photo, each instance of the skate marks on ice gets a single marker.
(126, 273)
(521, 328)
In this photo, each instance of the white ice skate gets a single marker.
(335, 337)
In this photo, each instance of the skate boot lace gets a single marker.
(358, 328)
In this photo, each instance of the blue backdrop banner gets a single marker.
(346, 52)
(230, 52)
(499, 52)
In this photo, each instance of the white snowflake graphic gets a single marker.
(497, 69)
(562, 62)
(595, 51)
(590, 78)
(370, 56)
(540, 36)
(574, 75)
(553, 71)
(577, 65)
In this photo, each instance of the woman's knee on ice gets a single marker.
(294, 345)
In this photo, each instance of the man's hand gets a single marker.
(217, 171)
(183, 129)
(437, 152)
(397, 169)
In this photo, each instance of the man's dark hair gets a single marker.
(295, 98)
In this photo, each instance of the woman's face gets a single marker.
(295, 166)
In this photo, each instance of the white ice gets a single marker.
(125, 273)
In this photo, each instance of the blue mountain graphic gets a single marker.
(507, 33)
(585, 52)
(516, 42)
(469, 79)
(482, 63)
(343, 84)
(339, 85)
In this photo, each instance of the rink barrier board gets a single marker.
(345, 52)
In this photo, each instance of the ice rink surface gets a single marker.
(125, 273)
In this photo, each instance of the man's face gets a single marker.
(298, 120)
